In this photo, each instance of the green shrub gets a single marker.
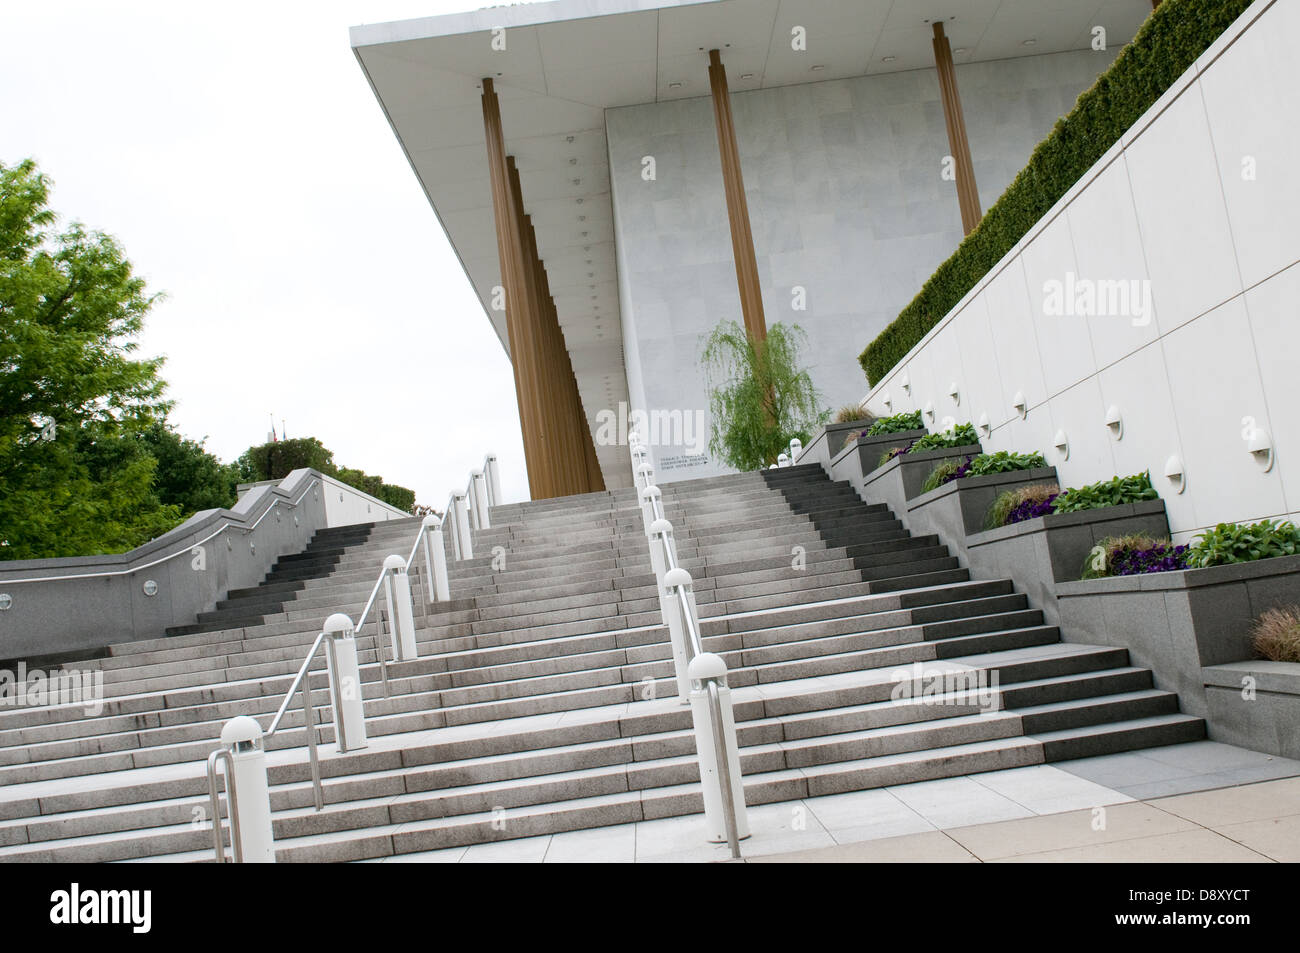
(1004, 462)
(1116, 492)
(1168, 43)
(963, 435)
(1241, 543)
(895, 424)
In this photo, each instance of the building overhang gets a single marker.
(563, 63)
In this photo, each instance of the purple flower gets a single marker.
(1030, 509)
(1159, 558)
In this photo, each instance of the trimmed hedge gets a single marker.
(1170, 40)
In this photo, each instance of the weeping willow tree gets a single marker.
(758, 397)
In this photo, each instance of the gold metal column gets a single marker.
(968, 197)
(742, 238)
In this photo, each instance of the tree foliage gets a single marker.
(759, 398)
(276, 460)
(71, 388)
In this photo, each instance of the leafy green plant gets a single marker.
(1276, 634)
(1116, 492)
(1004, 462)
(1021, 503)
(759, 397)
(962, 435)
(898, 423)
(1241, 543)
(1166, 45)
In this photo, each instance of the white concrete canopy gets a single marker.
(565, 62)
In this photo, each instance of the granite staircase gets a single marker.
(543, 697)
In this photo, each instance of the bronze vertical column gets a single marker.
(968, 197)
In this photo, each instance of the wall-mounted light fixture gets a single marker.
(954, 392)
(1115, 422)
(887, 400)
(1260, 445)
(906, 384)
(984, 425)
(929, 410)
(1062, 443)
(1019, 405)
(1175, 474)
(150, 588)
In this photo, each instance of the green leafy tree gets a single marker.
(276, 460)
(759, 397)
(70, 386)
(188, 476)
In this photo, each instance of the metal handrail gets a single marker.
(214, 799)
(694, 647)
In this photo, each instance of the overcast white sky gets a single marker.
(238, 154)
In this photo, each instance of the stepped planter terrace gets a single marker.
(543, 697)
(958, 508)
(828, 443)
(1192, 628)
(900, 480)
(1047, 550)
(865, 452)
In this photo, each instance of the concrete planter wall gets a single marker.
(957, 509)
(1192, 629)
(1040, 553)
(1266, 718)
(829, 441)
(900, 480)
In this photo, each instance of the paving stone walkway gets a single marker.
(1199, 802)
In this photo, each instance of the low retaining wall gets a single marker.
(1179, 623)
(958, 509)
(75, 606)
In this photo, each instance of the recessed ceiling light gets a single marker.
(746, 75)
(674, 85)
(819, 67)
(960, 49)
(889, 59)
(1029, 42)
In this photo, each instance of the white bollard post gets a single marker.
(401, 614)
(783, 460)
(437, 588)
(248, 795)
(461, 515)
(648, 495)
(715, 742)
(479, 482)
(493, 479)
(796, 448)
(669, 605)
(472, 503)
(345, 683)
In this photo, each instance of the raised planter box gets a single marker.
(1180, 623)
(958, 508)
(1255, 705)
(1042, 552)
(901, 478)
(827, 444)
